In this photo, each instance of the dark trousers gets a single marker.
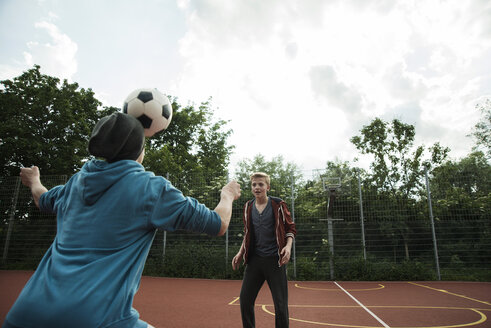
(258, 270)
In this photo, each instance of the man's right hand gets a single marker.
(233, 188)
(31, 178)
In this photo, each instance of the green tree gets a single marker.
(461, 194)
(193, 143)
(396, 171)
(282, 175)
(397, 166)
(193, 152)
(46, 123)
(482, 129)
(470, 175)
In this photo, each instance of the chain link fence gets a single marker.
(343, 233)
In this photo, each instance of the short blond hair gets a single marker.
(261, 175)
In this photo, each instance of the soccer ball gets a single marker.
(151, 108)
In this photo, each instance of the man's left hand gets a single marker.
(285, 255)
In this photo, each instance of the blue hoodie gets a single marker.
(107, 216)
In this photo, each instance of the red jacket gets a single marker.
(284, 225)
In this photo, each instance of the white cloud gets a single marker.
(402, 85)
(296, 78)
(325, 82)
(9, 71)
(305, 65)
(56, 57)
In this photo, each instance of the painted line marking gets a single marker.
(337, 290)
(447, 292)
(482, 319)
(482, 316)
(319, 323)
(417, 307)
(364, 307)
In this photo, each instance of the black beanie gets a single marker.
(116, 137)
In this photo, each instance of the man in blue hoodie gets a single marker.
(107, 217)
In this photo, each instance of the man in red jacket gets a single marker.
(266, 248)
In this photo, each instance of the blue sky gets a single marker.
(295, 78)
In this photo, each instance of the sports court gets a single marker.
(170, 302)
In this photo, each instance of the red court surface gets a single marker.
(168, 302)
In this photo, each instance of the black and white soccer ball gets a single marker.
(152, 108)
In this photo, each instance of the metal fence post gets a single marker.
(362, 219)
(293, 218)
(226, 240)
(226, 251)
(330, 234)
(11, 220)
(430, 211)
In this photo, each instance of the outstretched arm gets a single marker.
(229, 193)
(31, 178)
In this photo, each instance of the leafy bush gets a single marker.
(306, 269)
(369, 270)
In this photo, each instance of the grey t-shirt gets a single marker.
(264, 231)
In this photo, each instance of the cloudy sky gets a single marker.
(296, 78)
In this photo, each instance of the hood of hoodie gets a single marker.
(97, 176)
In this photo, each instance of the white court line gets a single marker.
(364, 307)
